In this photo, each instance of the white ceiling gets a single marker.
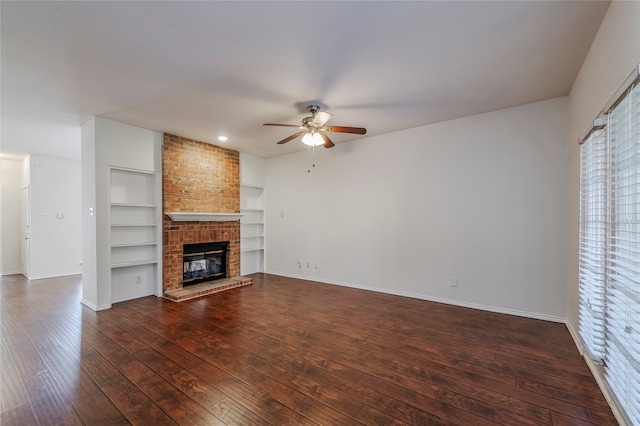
(201, 69)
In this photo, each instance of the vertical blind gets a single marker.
(610, 251)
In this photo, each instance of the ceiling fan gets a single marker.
(313, 129)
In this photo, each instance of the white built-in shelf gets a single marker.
(135, 244)
(132, 224)
(133, 263)
(149, 206)
(250, 185)
(248, 249)
(252, 228)
(203, 217)
(135, 234)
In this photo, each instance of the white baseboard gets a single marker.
(95, 307)
(5, 273)
(64, 274)
(137, 296)
(453, 302)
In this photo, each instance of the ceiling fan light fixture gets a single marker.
(312, 139)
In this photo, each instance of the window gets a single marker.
(593, 218)
(610, 249)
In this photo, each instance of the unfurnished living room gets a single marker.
(320, 212)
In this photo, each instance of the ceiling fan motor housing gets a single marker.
(308, 123)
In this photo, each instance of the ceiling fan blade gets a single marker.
(328, 143)
(342, 129)
(321, 118)
(290, 138)
(283, 125)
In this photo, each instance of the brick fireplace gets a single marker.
(199, 178)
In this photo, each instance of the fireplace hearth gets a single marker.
(204, 262)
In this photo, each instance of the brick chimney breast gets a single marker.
(198, 177)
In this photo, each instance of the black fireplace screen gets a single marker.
(204, 262)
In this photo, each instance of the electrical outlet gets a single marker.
(138, 279)
(299, 263)
(308, 264)
(44, 215)
(316, 264)
(453, 281)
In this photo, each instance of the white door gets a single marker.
(26, 232)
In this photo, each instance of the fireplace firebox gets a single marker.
(204, 262)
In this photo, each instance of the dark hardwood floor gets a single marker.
(283, 351)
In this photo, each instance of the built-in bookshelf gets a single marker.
(251, 229)
(134, 221)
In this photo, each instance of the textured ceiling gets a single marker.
(201, 69)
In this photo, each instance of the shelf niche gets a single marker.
(252, 229)
(133, 237)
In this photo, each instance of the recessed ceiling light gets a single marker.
(222, 138)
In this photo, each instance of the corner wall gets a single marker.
(481, 199)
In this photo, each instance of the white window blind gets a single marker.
(609, 313)
(622, 323)
(593, 222)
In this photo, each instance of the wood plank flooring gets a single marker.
(283, 351)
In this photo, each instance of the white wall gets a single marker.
(252, 170)
(11, 181)
(613, 54)
(480, 198)
(55, 194)
(108, 143)
(89, 233)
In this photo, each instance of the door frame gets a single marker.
(25, 231)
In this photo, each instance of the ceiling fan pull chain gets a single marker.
(311, 154)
